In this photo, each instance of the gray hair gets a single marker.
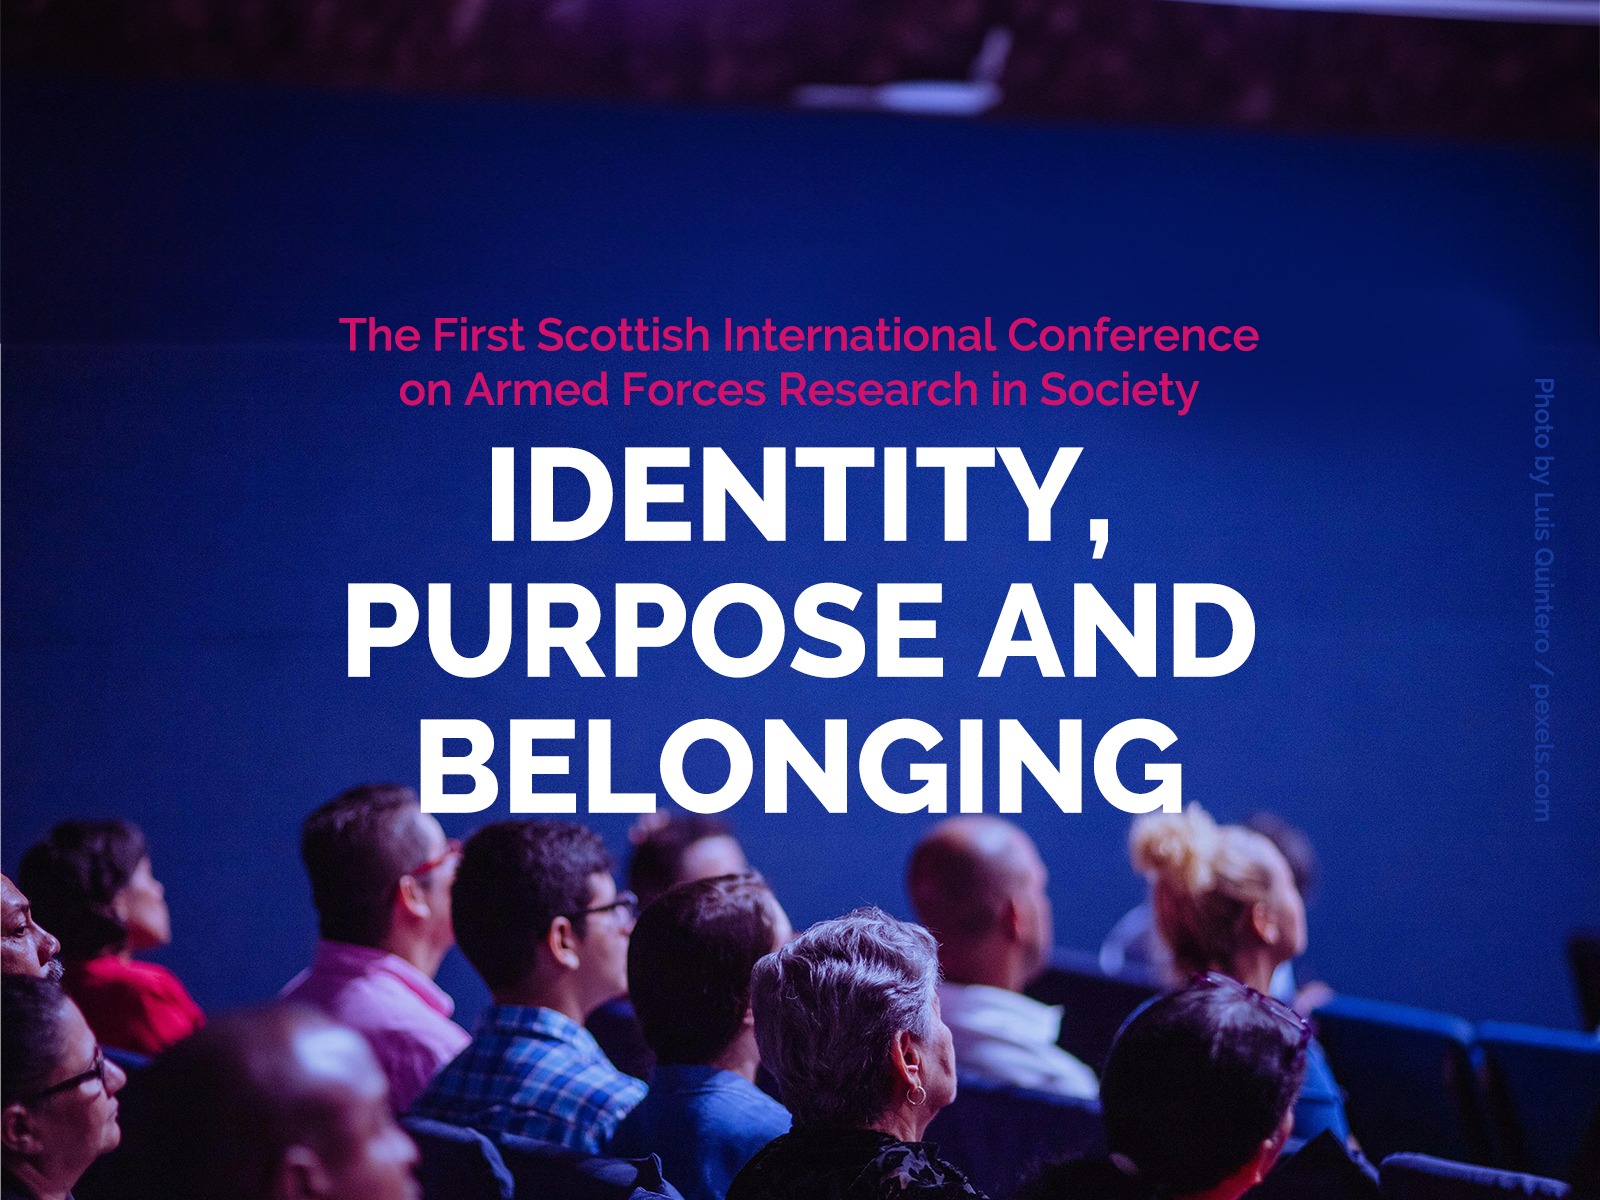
(829, 1005)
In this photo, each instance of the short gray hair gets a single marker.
(829, 1005)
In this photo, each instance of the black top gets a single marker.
(849, 1164)
(11, 1189)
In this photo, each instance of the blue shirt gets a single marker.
(1321, 1102)
(704, 1123)
(535, 1073)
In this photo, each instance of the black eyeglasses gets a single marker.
(1271, 1005)
(97, 1070)
(626, 904)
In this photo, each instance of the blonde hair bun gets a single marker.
(1177, 849)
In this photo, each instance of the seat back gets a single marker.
(1409, 1077)
(1423, 1177)
(1545, 1088)
(1096, 1004)
(546, 1169)
(457, 1163)
(998, 1135)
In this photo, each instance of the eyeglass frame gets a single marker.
(624, 900)
(97, 1071)
(452, 850)
(1268, 1004)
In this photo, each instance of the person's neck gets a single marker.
(741, 1056)
(903, 1122)
(539, 992)
(414, 948)
(988, 963)
(38, 1182)
(1254, 969)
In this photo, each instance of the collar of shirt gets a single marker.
(344, 959)
(997, 1013)
(521, 1020)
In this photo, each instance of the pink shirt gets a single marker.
(403, 1013)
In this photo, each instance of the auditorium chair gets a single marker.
(997, 1135)
(544, 1169)
(1409, 1077)
(1544, 1086)
(1096, 1003)
(458, 1163)
(1423, 1177)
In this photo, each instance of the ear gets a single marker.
(905, 1057)
(17, 1132)
(563, 942)
(1267, 1153)
(301, 1175)
(412, 898)
(1265, 923)
(1012, 920)
(119, 906)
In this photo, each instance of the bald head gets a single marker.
(977, 883)
(272, 1102)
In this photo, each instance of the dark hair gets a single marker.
(689, 963)
(30, 1033)
(657, 861)
(515, 878)
(1295, 846)
(355, 848)
(73, 876)
(1197, 1080)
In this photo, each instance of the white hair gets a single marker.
(829, 1005)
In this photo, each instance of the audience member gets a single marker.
(538, 915)
(381, 871)
(267, 1104)
(674, 848)
(1224, 900)
(91, 882)
(1198, 1098)
(668, 849)
(847, 1019)
(25, 947)
(57, 1091)
(1134, 941)
(978, 884)
(689, 963)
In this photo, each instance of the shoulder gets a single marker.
(111, 975)
(912, 1170)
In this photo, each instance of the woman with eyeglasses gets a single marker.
(57, 1092)
(1225, 901)
(91, 883)
(1198, 1098)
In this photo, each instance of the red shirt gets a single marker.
(132, 1005)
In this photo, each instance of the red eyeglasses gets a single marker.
(452, 849)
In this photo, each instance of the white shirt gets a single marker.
(1007, 1039)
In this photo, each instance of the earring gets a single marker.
(916, 1095)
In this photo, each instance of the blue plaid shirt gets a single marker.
(533, 1072)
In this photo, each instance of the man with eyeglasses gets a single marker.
(538, 915)
(381, 871)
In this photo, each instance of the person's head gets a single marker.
(690, 959)
(679, 848)
(1223, 896)
(276, 1103)
(25, 947)
(978, 884)
(538, 915)
(1200, 1085)
(381, 871)
(91, 883)
(57, 1090)
(847, 1019)
(1295, 846)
